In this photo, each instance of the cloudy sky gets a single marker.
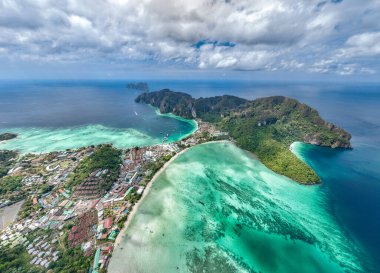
(179, 38)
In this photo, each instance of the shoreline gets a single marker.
(149, 186)
(144, 194)
(93, 126)
(193, 121)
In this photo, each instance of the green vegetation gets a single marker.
(121, 221)
(7, 136)
(6, 159)
(104, 157)
(15, 260)
(152, 167)
(169, 102)
(72, 260)
(133, 197)
(183, 105)
(11, 188)
(28, 208)
(265, 126)
(10, 184)
(272, 153)
(268, 126)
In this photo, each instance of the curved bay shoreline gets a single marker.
(144, 233)
(148, 188)
(122, 232)
(145, 193)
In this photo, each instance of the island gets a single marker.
(265, 126)
(73, 206)
(7, 136)
(140, 86)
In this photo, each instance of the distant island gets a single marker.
(7, 136)
(141, 86)
(265, 126)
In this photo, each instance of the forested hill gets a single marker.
(183, 105)
(265, 126)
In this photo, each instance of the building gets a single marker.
(108, 223)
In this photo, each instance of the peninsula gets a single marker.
(264, 126)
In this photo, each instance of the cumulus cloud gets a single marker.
(319, 36)
(362, 45)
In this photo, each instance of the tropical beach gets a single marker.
(132, 213)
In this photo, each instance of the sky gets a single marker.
(250, 39)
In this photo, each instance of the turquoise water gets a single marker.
(53, 116)
(352, 189)
(41, 140)
(218, 209)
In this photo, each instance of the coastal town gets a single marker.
(75, 203)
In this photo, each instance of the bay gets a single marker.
(218, 209)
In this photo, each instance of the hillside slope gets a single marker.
(265, 126)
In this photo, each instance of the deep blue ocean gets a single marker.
(351, 178)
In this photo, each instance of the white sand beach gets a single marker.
(145, 193)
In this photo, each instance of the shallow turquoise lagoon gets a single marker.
(53, 116)
(40, 140)
(218, 209)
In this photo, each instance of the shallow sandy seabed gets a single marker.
(41, 140)
(218, 209)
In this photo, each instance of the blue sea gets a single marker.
(104, 111)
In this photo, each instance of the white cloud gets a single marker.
(237, 57)
(268, 35)
(347, 69)
(364, 44)
(80, 22)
